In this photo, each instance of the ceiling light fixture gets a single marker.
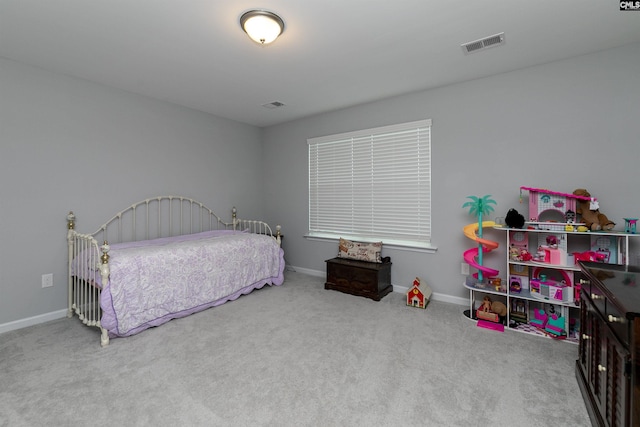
(262, 26)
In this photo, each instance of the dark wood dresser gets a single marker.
(608, 366)
(362, 278)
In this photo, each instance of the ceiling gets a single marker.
(332, 54)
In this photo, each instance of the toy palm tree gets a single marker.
(480, 206)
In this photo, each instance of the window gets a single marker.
(373, 184)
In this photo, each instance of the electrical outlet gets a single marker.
(47, 280)
(464, 269)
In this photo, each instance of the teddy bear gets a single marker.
(499, 308)
(593, 219)
(493, 307)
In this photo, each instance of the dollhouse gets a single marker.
(551, 206)
(418, 297)
(543, 289)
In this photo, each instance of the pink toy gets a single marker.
(554, 256)
(490, 325)
(487, 316)
(472, 256)
(525, 256)
(546, 202)
(550, 289)
(555, 325)
(590, 256)
(539, 273)
(539, 318)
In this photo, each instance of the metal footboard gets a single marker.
(88, 269)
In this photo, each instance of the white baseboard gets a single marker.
(30, 321)
(436, 296)
(54, 315)
(399, 289)
(310, 272)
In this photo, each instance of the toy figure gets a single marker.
(515, 287)
(525, 255)
(491, 310)
(486, 304)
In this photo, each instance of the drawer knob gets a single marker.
(602, 368)
(586, 337)
(614, 319)
(596, 296)
(584, 282)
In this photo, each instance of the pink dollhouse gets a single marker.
(548, 288)
(546, 205)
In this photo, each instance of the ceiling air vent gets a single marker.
(487, 42)
(274, 104)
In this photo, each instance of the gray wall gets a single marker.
(67, 144)
(564, 125)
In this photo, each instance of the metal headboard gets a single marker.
(162, 216)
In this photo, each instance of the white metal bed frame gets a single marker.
(163, 216)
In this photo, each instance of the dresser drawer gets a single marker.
(613, 316)
(616, 321)
(597, 297)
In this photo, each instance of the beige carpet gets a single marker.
(295, 355)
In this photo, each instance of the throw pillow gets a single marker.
(360, 251)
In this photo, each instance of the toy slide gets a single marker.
(470, 255)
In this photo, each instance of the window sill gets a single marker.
(411, 247)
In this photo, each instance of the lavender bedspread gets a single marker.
(156, 281)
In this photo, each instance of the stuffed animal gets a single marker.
(593, 219)
(493, 307)
(499, 308)
(514, 219)
(525, 255)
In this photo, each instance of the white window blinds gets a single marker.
(373, 184)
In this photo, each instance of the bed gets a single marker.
(164, 258)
